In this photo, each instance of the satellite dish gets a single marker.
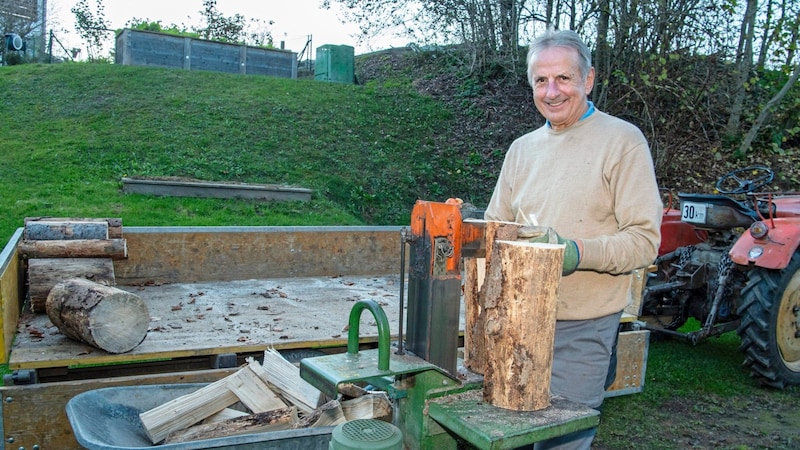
(14, 42)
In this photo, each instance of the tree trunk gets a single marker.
(102, 316)
(520, 318)
(744, 63)
(762, 116)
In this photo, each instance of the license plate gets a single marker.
(694, 212)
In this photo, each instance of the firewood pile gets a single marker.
(57, 249)
(259, 397)
(70, 271)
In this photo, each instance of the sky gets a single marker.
(294, 20)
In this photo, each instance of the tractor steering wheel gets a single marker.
(759, 176)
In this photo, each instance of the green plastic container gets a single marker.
(335, 63)
(366, 434)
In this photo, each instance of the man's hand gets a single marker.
(547, 235)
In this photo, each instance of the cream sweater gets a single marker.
(592, 182)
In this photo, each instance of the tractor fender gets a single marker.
(772, 252)
(676, 233)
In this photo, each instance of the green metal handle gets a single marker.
(384, 339)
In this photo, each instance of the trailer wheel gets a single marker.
(770, 325)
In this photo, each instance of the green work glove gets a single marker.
(547, 235)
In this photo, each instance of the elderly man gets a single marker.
(589, 177)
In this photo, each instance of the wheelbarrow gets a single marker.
(108, 419)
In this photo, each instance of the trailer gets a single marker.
(216, 296)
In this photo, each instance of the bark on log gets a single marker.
(114, 223)
(520, 316)
(49, 230)
(278, 419)
(102, 316)
(475, 357)
(78, 248)
(44, 274)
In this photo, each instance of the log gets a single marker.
(102, 316)
(278, 419)
(44, 274)
(77, 248)
(475, 357)
(41, 230)
(114, 223)
(520, 295)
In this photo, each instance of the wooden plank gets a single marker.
(35, 415)
(188, 255)
(203, 189)
(632, 349)
(638, 284)
(246, 316)
(12, 294)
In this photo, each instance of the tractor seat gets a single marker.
(740, 214)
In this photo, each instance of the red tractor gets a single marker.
(731, 261)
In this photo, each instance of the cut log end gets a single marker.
(119, 323)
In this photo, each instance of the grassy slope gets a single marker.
(72, 131)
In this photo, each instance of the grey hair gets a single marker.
(561, 38)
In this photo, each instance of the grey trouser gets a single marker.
(580, 365)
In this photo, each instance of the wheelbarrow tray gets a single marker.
(108, 418)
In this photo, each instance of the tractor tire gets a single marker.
(770, 325)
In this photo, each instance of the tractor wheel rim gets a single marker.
(788, 324)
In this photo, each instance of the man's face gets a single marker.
(559, 91)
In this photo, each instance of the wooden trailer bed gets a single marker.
(215, 296)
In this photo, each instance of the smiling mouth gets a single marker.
(555, 103)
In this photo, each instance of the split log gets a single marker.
(225, 414)
(474, 336)
(102, 316)
(326, 415)
(285, 378)
(371, 406)
(49, 230)
(212, 402)
(253, 392)
(278, 419)
(114, 223)
(77, 248)
(44, 274)
(187, 410)
(520, 295)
